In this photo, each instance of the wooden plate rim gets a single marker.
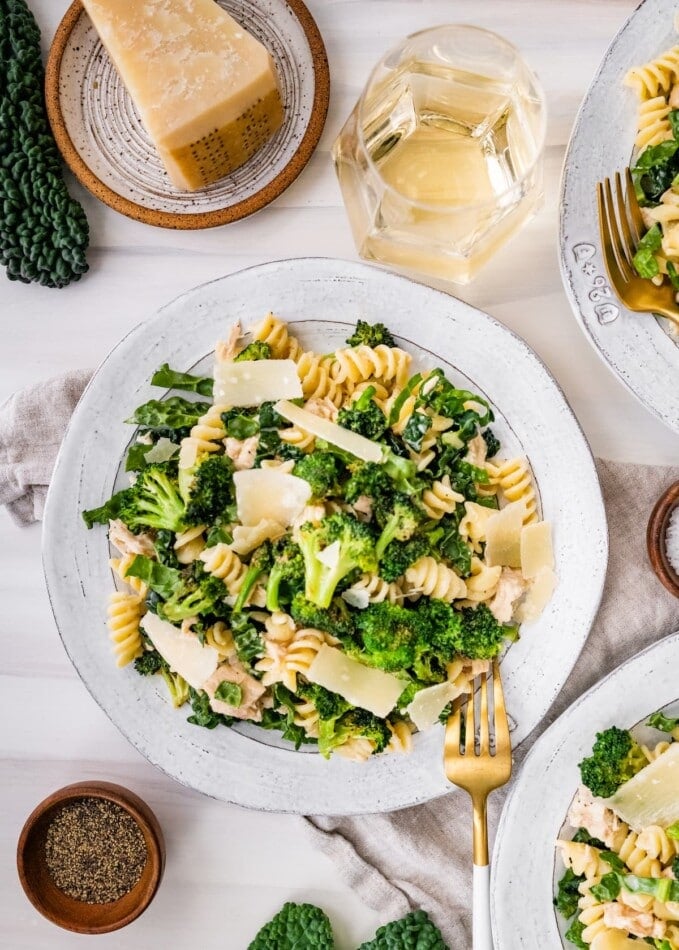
(193, 220)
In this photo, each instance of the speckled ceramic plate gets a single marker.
(102, 139)
(322, 299)
(525, 864)
(640, 349)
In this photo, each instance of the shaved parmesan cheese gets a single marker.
(268, 494)
(536, 548)
(183, 652)
(503, 536)
(253, 382)
(188, 454)
(650, 797)
(247, 539)
(537, 597)
(345, 439)
(163, 450)
(360, 685)
(429, 703)
(330, 556)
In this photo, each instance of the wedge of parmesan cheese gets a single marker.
(429, 703)
(360, 685)
(267, 494)
(536, 548)
(537, 598)
(503, 536)
(183, 652)
(253, 382)
(650, 797)
(345, 439)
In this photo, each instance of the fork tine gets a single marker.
(633, 207)
(618, 247)
(501, 721)
(625, 231)
(469, 728)
(614, 273)
(484, 728)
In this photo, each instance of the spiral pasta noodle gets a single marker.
(300, 654)
(123, 616)
(280, 627)
(653, 753)
(377, 590)
(514, 479)
(401, 737)
(433, 579)
(356, 749)
(655, 77)
(220, 638)
(360, 363)
(189, 544)
(222, 562)
(300, 438)
(275, 333)
(206, 435)
(120, 565)
(482, 582)
(314, 374)
(653, 125)
(306, 716)
(440, 499)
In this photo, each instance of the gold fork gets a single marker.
(478, 773)
(621, 228)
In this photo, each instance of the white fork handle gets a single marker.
(482, 936)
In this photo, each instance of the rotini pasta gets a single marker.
(360, 363)
(222, 562)
(275, 333)
(433, 579)
(120, 565)
(124, 613)
(514, 480)
(655, 77)
(441, 499)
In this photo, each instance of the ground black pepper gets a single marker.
(94, 850)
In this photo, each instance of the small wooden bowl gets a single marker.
(655, 538)
(57, 906)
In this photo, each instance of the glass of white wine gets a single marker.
(440, 161)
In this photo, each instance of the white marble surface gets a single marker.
(228, 870)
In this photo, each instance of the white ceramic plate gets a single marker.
(322, 299)
(637, 347)
(524, 864)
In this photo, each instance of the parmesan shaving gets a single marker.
(429, 703)
(538, 595)
(345, 439)
(536, 548)
(253, 382)
(268, 494)
(650, 796)
(363, 686)
(503, 536)
(183, 651)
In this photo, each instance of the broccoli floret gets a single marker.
(195, 597)
(662, 722)
(330, 707)
(287, 569)
(416, 931)
(399, 520)
(296, 927)
(566, 900)
(354, 724)
(371, 334)
(148, 663)
(399, 555)
(322, 471)
(211, 491)
(364, 416)
(335, 619)
(403, 472)
(257, 350)
(43, 230)
(440, 629)
(616, 757)
(260, 563)
(154, 500)
(371, 480)
(675, 868)
(177, 687)
(481, 635)
(389, 636)
(344, 544)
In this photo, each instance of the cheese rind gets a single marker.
(206, 90)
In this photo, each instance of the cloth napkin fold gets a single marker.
(421, 856)
(417, 856)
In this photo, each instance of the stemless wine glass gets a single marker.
(441, 160)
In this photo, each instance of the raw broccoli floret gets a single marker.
(371, 334)
(257, 350)
(616, 757)
(211, 491)
(322, 471)
(43, 230)
(296, 927)
(399, 519)
(148, 663)
(195, 597)
(287, 569)
(566, 900)
(335, 619)
(364, 416)
(399, 555)
(260, 563)
(416, 931)
(481, 635)
(388, 635)
(331, 550)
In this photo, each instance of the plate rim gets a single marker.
(194, 220)
(669, 642)
(663, 415)
(350, 270)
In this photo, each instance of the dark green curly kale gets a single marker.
(296, 927)
(413, 932)
(43, 231)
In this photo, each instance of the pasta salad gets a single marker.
(326, 545)
(620, 889)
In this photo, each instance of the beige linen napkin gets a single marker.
(418, 856)
(422, 856)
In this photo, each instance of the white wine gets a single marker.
(449, 162)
